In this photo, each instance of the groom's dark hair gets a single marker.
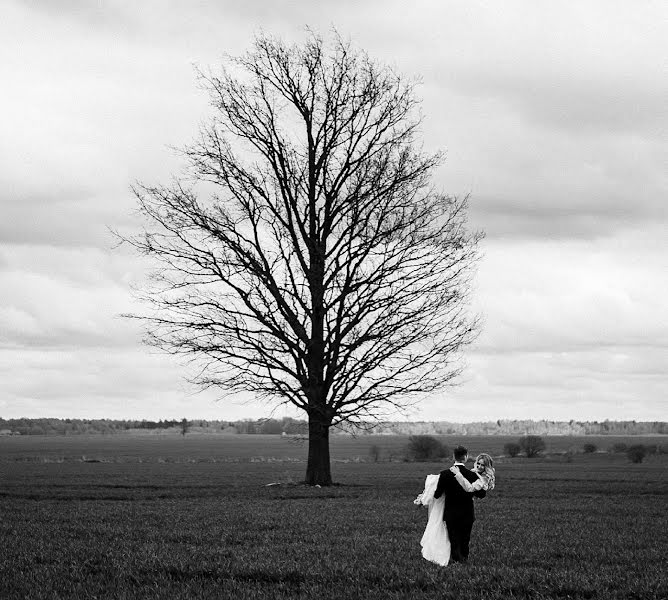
(460, 453)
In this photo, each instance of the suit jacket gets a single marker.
(458, 502)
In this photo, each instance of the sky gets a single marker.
(552, 116)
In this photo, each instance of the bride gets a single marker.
(484, 469)
(435, 542)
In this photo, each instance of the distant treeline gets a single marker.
(291, 426)
(78, 426)
(523, 427)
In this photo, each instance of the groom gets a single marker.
(458, 513)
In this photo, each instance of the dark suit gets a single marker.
(459, 513)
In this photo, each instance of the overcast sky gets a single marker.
(552, 114)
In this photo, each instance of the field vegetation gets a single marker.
(194, 517)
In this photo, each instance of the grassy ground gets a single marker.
(178, 525)
(156, 447)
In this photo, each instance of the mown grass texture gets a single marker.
(593, 528)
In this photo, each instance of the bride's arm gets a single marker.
(477, 485)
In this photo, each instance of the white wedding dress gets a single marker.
(435, 542)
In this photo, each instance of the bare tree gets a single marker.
(306, 258)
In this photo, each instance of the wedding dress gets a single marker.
(435, 542)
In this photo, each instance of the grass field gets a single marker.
(173, 517)
(155, 447)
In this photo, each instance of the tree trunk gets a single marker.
(318, 469)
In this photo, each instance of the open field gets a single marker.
(152, 447)
(173, 517)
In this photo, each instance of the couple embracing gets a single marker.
(449, 497)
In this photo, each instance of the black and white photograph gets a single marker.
(333, 300)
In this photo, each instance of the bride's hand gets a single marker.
(454, 470)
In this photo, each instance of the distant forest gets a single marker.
(290, 426)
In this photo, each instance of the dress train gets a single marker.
(435, 542)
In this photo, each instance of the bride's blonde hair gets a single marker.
(489, 473)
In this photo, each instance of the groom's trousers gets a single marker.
(459, 532)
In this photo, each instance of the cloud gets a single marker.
(83, 117)
(581, 385)
(576, 294)
(109, 383)
(64, 298)
(535, 182)
(586, 68)
(572, 329)
(103, 15)
(115, 383)
(552, 117)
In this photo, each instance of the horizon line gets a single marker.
(504, 419)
